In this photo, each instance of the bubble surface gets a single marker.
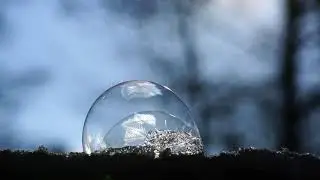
(140, 114)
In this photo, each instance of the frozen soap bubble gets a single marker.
(140, 114)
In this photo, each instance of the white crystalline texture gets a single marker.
(160, 141)
(178, 143)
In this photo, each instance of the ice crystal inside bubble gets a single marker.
(140, 114)
(133, 130)
(178, 142)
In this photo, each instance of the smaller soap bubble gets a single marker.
(140, 114)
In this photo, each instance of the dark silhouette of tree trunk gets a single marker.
(192, 80)
(289, 138)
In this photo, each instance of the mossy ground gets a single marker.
(244, 163)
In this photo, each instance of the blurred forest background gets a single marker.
(249, 69)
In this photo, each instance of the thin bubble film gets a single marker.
(140, 114)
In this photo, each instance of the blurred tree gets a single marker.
(191, 80)
(200, 92)
(289, 137)
(296, 109)
(265, 94)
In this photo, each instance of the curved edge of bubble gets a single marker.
(121, 83)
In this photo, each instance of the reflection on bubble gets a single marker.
(139, 114)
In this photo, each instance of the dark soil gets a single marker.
(245, 163)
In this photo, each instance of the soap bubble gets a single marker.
(140, 114)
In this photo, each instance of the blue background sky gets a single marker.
(56, 58)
